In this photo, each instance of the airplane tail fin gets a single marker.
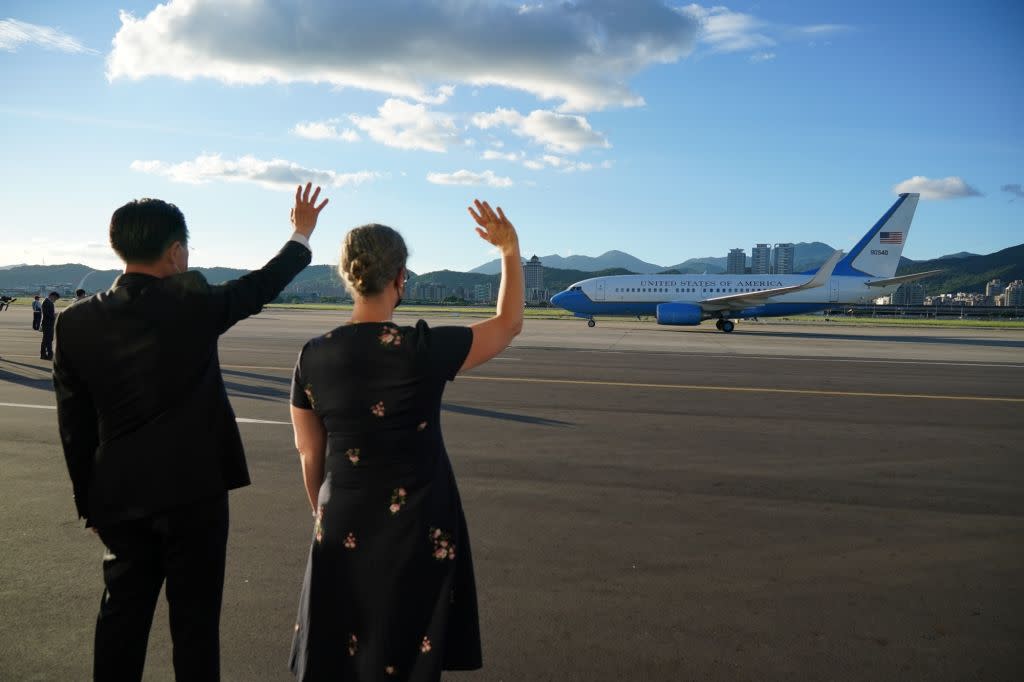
(878, 252)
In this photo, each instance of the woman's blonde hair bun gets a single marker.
(371, 257)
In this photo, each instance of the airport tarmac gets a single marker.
(645, 503)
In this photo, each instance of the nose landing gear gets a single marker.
(591, 322)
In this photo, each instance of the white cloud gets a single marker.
(564, 165)
(409, 126)
(325, 130)
(952, 187)
(493, 155)
(728, 31)
(562, 133)
(759, 57)
(14, 34)
(723, 30)
(274, 174)
(465, 177)
(581, 53)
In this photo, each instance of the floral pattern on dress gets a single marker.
(390, 670)
(422, 426)
(318, 527)
(425, 646)
(350, 541)
(308, 390)
(444, 548)
(390, 336)
(353, 455)
(353, 644)
(397, 500)
(378, 409)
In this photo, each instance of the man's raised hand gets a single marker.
(305, 212)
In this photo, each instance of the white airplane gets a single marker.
(863, 275)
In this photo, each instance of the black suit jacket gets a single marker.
(143, 412)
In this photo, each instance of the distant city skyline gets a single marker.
(654, 128)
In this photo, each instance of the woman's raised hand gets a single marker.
(494, 227)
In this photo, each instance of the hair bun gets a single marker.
(371, 256)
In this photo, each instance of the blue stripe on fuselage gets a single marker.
(580, 304)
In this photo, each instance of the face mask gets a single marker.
(399, 301)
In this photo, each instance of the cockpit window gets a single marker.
(575, 288)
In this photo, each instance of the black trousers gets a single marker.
(36, 317)
(186, 546)
(46, 347)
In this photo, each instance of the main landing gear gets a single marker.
(724, 325)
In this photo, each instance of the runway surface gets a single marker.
(645, 503)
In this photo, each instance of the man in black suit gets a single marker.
(149, 436)
(46, 324)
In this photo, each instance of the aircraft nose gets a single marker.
(559, 299)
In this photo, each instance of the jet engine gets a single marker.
(678, 313)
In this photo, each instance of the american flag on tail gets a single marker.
(890, 237)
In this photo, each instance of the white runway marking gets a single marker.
(31, 407)
(738, 356)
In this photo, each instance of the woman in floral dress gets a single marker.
(389, 590)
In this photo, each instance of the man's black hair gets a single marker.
(79, 292)
(52, 294)
(141, 230)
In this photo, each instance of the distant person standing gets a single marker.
(37, 312)
(79, 295)
(150, 439)
(46, 323)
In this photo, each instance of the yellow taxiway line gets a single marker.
(702, 387)
(748, 389)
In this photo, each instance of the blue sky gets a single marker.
(669, 131)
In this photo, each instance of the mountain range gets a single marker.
(75, 275)
(962, 271)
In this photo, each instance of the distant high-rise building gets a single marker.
(533, 279)
(994, 288)
(761, 259)
(737, 262)
(784, 255)
(483, 293)
(533, 274)
(1014, 294)
(429, 292)
(911, 293)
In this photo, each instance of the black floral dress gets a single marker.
(389, 591)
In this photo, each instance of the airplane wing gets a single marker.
(888, 282)
(753, 298)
